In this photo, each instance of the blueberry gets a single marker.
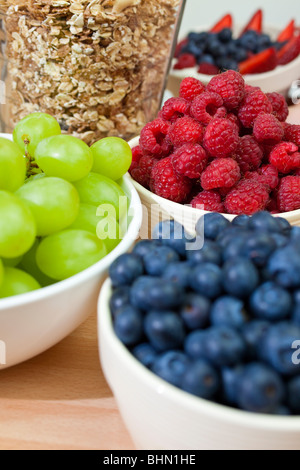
(213, 224)
(171, 366)
(206, 279)
(263, 41)
(223, 346)
(240, 277)
(235, 245)
(228, 311)
(145, 353)
(284, 225)
(195, 311)
(264, 222)
(276, 348)
(230, 377)
(125, 269)
(213, 46)
(294, 394)
(198, 38)
(241, 221)
(207, 59)
(225, 35)
(128, 325)
(164, 329)
(282, 411)
(192, 48)
(253, 332)
(295, 234)
(280, 239)
(178, 272)
(240, 54)
(227, 63)
(232, 48)
(209, 253)
(271, 302)
(157, 259)
(249, 40)
(172, 234)
(232, 233)
(260, 388)
(152, 292)
(119, 298)
(258, 248)
(194, 344)
(284, 266)
(143, 247)
(296, 308)
(201, 379)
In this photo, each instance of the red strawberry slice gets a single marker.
(287, 33)
(225, 22)
(255, 23)
(262, 62)
(289, 51)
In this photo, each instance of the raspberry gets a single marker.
(288, 197)
(136, 156)
(152, 138)
(204, 106)
(208, 69)
(185, 130)
(221, 137)
(208, 201)
(185, 61)
(189, 160)
(279, 105)
(230, 85)
(141, 173)
(233, 118)
(174, 108)
(292, 133)
(267, 129)
(266, 175)
(248, 154)
(285, 157)
(221, 173)
(253, 104)
(190, 88)
(249, 89)
(247, 198)
(165, 182)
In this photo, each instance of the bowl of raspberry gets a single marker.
(225, 146)
(201, 345)
(267, 56)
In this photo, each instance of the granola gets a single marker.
(98, 66)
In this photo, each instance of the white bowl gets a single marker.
(157, 208)
(159, 416)
(33, 322)
(278, 80)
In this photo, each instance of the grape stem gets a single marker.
(32, 167)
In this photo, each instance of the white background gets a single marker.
(276, 12)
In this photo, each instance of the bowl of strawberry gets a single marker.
(265, 55)
(224, 147)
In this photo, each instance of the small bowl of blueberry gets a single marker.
(267, 56)
(199, 336)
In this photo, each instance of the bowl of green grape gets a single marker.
(67, 210)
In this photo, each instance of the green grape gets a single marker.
(67, 253)
(53, 202)
(17, 282)
(34, 128)
(97, 189)
(12, 166)
(64, 156)
(112, 157)
(29, 265)
(17, 226)
(106, 227)
(12, 262)
(1, 272)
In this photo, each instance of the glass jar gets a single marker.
(99, 66)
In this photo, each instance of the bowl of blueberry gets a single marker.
(266, 56)
(224, 146)
(199, 337)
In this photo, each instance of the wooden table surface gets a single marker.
(60, 399)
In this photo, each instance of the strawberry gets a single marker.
(287, 33)
(289, 51)
(262, 62)
(255, 23)
(225, 22)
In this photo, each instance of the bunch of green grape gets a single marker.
(61, 207)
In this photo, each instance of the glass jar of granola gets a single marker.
(98, 66)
